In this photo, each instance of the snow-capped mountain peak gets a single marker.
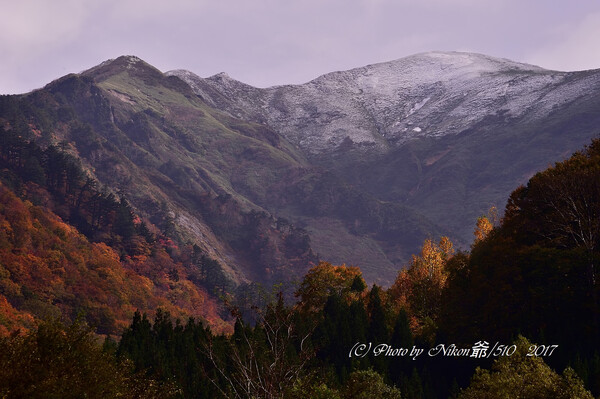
(385, 105)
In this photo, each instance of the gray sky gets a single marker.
(270, 42)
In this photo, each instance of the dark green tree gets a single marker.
(378, 326)
(57, 361)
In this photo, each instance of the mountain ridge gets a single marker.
(410, 114)
(390, 103)
(367, 162)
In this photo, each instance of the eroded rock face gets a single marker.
(385, 105)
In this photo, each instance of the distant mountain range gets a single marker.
(357, 166)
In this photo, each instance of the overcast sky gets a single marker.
(271, 42)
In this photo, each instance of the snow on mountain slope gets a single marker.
(385, 105)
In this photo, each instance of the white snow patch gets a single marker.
(418, 106)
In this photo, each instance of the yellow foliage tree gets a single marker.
(418, 287)
(485, 224)
(326, 279)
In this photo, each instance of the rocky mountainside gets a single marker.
(246, 197)
(448, 134)
(386, 105)
(357, 167)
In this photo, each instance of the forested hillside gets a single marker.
(520, 310)
(69, 247)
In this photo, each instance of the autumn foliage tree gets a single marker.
(324, 280)
(418, 288)
(485, 224)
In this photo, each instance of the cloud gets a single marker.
(575, 47)
(31, 34)
(29, 23)
(265, 42)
